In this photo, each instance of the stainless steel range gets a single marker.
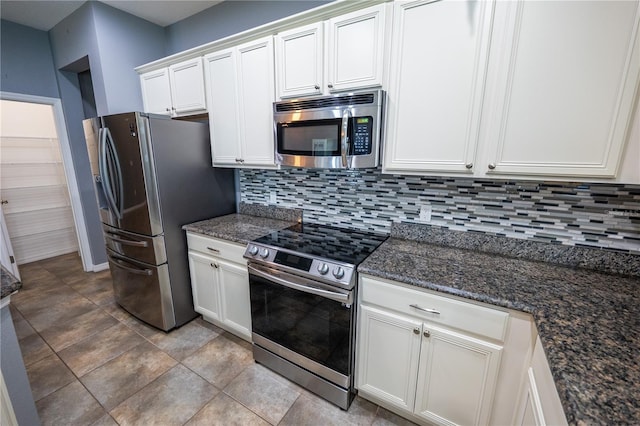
(302, 283)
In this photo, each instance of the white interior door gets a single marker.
(33, 186)
(7, 258)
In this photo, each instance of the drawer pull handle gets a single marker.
(213, 249)
(416, 331)
(431, 311)
(426, 333)
(214, 265)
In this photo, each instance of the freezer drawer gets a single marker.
(143, 290)
(139, 247)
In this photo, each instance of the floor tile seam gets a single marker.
(203, 405)
(289, 409)
(56, 390)
(200, 375)
(137, 392)
(45, 342)
(104, 411)
(241, 403)
(105, 362)
(69, 322)
(93, 396)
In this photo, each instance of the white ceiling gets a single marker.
(44, 15)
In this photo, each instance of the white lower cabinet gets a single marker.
(539, 402)
(431, 366)
(220, 283)
(456, 377)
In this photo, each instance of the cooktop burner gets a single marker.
(326, 242)
(325, 253)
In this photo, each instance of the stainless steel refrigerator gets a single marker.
(152, 175)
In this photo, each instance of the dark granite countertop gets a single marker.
(588, 321)
(10, 283)
(252, 222)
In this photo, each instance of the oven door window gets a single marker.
(315, 138)
(313, 326)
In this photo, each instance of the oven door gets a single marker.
(303, 321)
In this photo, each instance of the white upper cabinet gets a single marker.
(439, 56)
(175, 90)
(343, 53)
(567, 74)
(156, 91)
(355, 49)
(299, 61)
(240, 94)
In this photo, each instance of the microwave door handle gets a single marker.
(345, 136)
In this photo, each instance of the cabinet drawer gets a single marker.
(215, 247)
(469, 317)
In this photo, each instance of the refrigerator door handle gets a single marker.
(119, 194)
(116, 262)
(104, 174)
(114, 237)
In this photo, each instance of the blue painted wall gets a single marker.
(228, 18)
(114, 43)
(26, 61)
(124, 42)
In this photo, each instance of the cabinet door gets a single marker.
(531, 410)
(299, 59)
(355, 49)
(222, 101)
(388, 351)
(156, 91)
(187, 86)
(234, 295)
(456, 378)
(205, 285)
(564, 99)
(438, 65)
(257, 92)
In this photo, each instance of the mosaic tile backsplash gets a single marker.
(594, 215)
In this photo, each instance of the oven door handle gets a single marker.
(269, 274)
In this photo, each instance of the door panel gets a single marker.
(127, 174)
(388, 351)
(143, 290)
(457, 378)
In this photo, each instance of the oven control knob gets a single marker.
(323, 269)
(253, 250)
(264, 253)
(338, 272)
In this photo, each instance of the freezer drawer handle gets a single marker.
(127, 242)
(118, 259)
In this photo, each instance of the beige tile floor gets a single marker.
(91, 363)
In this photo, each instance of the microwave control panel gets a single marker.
(362, 135)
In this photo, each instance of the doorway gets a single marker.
(37, 181)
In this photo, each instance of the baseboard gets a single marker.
(100, 267)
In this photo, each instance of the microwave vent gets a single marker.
(334, 101)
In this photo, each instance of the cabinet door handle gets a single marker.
(431, 311)
(492, 166)
(317, 87)
(426, 333)
(469, 165)
(330, 86)
(416, 330)
(214, 265)
(213, 249)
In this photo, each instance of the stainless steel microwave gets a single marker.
(342, 131)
